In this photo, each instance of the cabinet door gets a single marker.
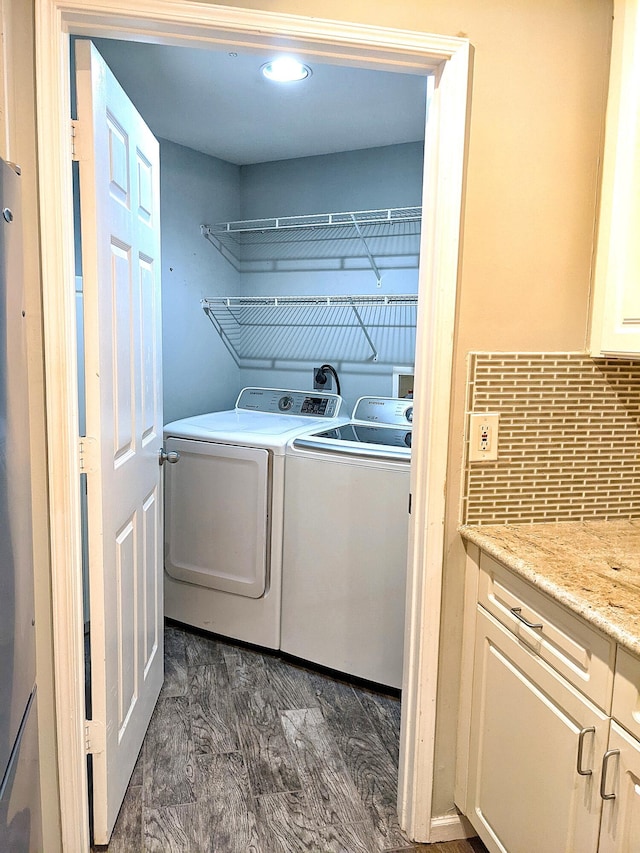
(616, 300)
(525, 792)
(620, 830)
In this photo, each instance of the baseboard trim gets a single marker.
(450, 827)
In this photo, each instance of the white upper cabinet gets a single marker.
(615, 323)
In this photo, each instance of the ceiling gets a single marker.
(219, 103)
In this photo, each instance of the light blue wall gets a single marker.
(195, 189)
(199, 373)
(349, 181)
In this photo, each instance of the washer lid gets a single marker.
(246, 428)
(358, 439)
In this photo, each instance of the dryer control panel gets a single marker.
(384, 410)
(281, 401)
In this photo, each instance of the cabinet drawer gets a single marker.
(626, 692)
(571, 646)
(528, 790)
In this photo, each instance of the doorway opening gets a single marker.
(449, 57)
(346, 228)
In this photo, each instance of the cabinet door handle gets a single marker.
(517, 612)
(589, 730)
(603, 779)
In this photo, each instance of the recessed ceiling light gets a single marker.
(285, 69)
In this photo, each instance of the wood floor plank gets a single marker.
(221, 821)
(287, 826)
(331, 792)
(349, 838)
(266, 750)
(375, 776)
(175, 664)
(201, 649)
(245, 667)
(290, 683)
(172, 829)
(127, 833)
(384, 713)
(285, 823)
(340, 704)
(213, 717)
(369, 763)
(168, 755)
(227, 809)
(471, 845)
(261, 755)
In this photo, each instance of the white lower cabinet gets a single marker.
(536, 743)
(620, 830)
(545, 769)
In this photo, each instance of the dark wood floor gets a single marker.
(247, 753)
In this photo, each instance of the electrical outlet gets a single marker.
(483, 436)
(322, 379)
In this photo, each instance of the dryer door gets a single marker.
(217, 500)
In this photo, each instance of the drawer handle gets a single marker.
(517, 612)
(590, 730)
(603, 779)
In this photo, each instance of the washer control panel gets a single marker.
(283, 402)
(384, 410)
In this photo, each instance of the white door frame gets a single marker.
(183, 22)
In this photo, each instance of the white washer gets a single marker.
(224, 504)
(345, 542)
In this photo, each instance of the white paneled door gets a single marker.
(119, 199)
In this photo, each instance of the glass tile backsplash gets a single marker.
(568, 442)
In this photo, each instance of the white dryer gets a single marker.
(345, 542)
(224, 505)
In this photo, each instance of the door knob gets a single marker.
(164, 456)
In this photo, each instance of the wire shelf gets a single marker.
(378, 239)
(263, 330)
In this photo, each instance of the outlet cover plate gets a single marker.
(483, 436)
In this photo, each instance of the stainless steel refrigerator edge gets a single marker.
(20, 822)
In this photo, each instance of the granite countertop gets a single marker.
(591, 567)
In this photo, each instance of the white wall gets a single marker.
(198, 373)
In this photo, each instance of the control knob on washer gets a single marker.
(285, 403)
(409, 414)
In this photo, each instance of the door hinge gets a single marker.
(87, 454)
(94, 739)
(74, 139)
